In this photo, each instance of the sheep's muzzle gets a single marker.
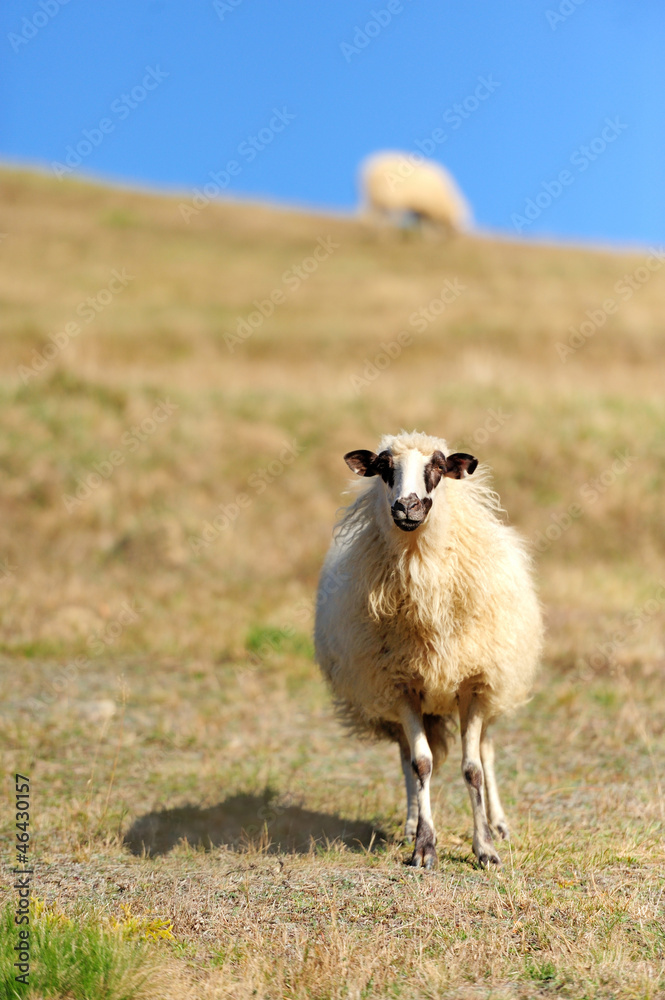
(410, 512)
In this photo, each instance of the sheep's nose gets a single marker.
(406, 507)
(410, 512)
(398, 511)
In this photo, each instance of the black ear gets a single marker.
(366, 463)
(460, 465)
(362, 462)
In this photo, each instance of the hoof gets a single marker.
(502, 830)
(487, 857)
(423, 859)
(424, 853)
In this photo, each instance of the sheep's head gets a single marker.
(410, 479)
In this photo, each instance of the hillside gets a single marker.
(178, 389)
(307, 374)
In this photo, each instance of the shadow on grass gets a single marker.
(244, 820)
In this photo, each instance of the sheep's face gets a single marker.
(410, 479)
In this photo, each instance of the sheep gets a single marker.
(426, 610)
(408, 183)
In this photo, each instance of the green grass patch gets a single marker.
(541, 972)
(262, 641)
(77, 959)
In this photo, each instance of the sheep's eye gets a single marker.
(385, 467)
(434, 470)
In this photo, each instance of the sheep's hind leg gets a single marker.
(424, 853)
(411, 783)
(471, 726)
(495, 812)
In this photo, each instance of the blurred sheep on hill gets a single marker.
(406, 185)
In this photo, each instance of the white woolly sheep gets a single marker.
(426, 610)
(406, 183)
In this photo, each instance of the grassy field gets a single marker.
(171, 466)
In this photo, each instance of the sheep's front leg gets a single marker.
(471, 726)
(411, 783)
(495, 812)
(424, 853)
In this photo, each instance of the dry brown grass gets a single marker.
(204, 695)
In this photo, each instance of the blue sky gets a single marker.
(569, 86)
